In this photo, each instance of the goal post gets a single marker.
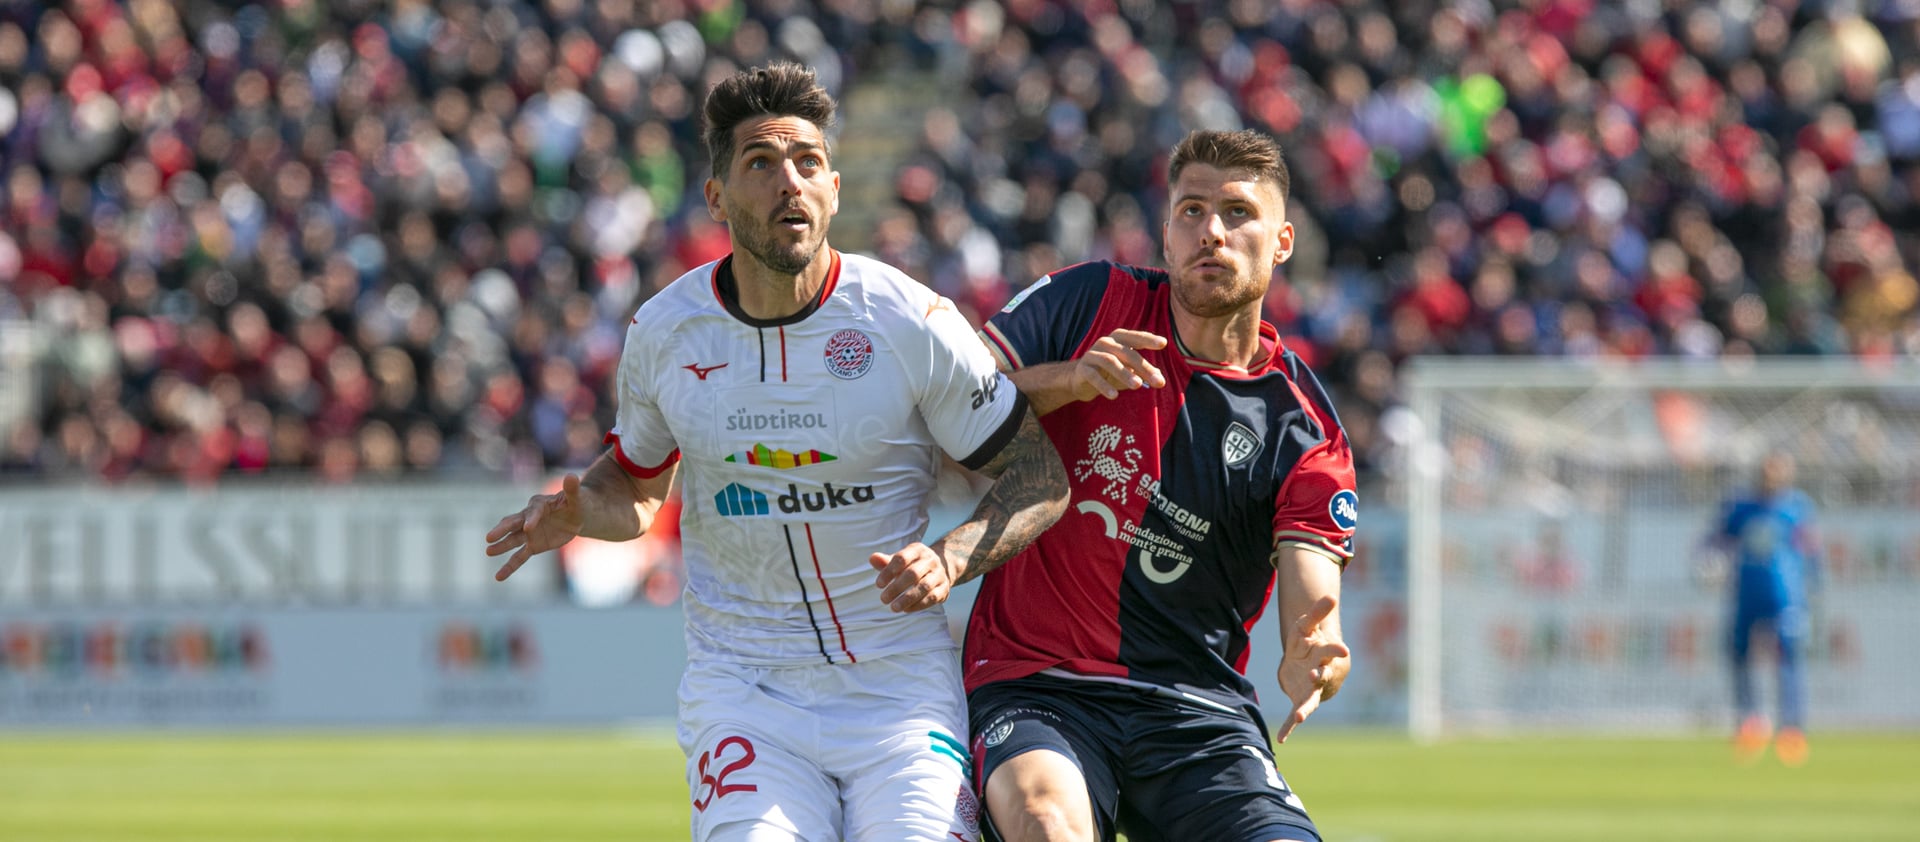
(1558, 577)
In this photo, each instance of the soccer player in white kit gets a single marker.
(803, 397)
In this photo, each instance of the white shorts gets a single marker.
(867, 752)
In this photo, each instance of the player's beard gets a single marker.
(1210, 299)
(760, 240)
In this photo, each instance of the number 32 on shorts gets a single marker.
(713, 784)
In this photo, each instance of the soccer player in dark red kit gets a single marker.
(1105, 664)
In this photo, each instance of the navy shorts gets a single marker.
(1159, 766)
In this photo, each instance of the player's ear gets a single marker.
(836, 194)
(1166, 241)
(1283, 243)
(712, 191)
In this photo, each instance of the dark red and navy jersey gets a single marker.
(1164, 559)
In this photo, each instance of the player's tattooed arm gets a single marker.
(1029, 493)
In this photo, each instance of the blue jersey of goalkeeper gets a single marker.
(1770, 535)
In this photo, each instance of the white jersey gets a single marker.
(805, 444)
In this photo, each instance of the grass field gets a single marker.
(627, 786)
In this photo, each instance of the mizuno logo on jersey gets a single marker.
(702, 371)
(737, 500)
(828, 497)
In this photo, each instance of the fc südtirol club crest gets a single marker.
(849, 354)
(1239, 445)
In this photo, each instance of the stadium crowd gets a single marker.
(373, 239)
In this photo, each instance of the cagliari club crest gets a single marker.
(1239, 445)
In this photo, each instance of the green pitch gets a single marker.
(625, 786)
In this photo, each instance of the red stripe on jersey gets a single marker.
(828, 595)
(635, 468)
(833, 277)
(1079, 565)
(1300, 508)
(783, 353)
(713, 280)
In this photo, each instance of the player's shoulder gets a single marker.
(884, 296)
(1301, 375)
(881, 289)
(1800, 501)
(690, 294)
(1105, 276)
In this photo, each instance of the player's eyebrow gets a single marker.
(796, 146)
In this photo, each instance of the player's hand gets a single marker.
(913, 579)
(1114, 365)
(1314, 666)
(548, 522)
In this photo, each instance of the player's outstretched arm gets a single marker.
(608, 503)
(1113, 365)
(1317, 659)
(1029, 493)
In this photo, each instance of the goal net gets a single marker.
(1557, 517)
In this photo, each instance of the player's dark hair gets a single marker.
(781, 89)
(1242, 151)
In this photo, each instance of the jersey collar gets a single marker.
(1270, 352)
(726, 290)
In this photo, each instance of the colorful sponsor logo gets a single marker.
(470, 647)
(737, 500)
(746, 421)
(828, 497)
(1344, 508)
(782, 459)
(849, 354)
(65, 648)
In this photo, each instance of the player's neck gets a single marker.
(765, 293)
(1232, 339)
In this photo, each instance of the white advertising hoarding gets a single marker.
(260, 545)
(239, 667)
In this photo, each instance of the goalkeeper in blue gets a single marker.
(1768, 534)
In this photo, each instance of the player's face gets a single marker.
(779, 192)
(1224, 234)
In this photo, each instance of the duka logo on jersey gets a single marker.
(849, 354)
(1111, 457)
(828, 497)
(1239, 445)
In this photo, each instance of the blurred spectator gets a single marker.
(369, 239)
(360, 239)
(1548, 178)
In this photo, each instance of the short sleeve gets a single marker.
(642, 442)
(1317, 507)
(970, 407)
(1049, 319)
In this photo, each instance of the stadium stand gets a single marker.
(372, 240)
